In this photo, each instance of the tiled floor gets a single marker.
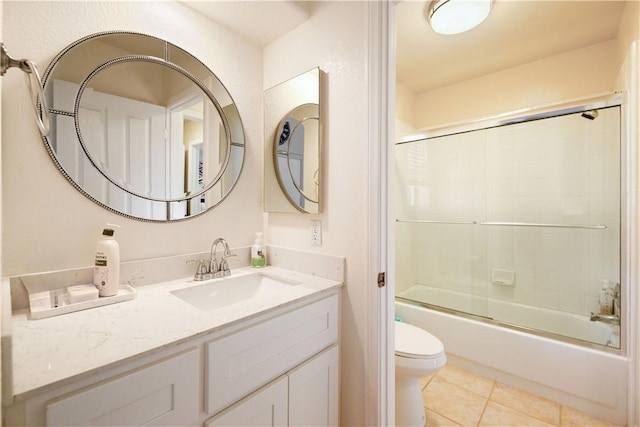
(455, 397)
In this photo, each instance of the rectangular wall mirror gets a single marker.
(292, 155)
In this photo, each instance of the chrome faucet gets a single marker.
(614, 319)
(221, 269)
(215, 269)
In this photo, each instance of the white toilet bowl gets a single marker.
(417, 355)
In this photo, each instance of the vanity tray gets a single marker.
(56, 302)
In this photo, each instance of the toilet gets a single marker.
(417, 354)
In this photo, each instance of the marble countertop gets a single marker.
(50, 350)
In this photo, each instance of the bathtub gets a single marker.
(587, 379)
(569, 327)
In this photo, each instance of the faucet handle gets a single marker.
(224, 265)
(201, 269)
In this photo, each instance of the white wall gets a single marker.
(405, 104)
(335, 40)
(47, 224)
(1, 228)
(628, 48)
(578, 73)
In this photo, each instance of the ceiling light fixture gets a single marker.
(457, 16)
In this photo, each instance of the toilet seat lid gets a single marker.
(415, 342)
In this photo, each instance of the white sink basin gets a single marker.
(227, 291)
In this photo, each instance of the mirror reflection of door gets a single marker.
(304, 147)
(296, 156)
(125, 138)
(195, 176)
(141, 145)
(187, 131)
(162, 91)
(290, 155)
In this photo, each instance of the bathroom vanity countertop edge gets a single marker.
(104, 337)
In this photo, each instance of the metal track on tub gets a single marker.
(511, 326)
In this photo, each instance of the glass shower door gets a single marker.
(517, 223)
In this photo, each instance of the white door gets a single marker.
(126, 138)
(380, 391)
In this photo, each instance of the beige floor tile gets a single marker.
(496, 415)
(453, 402)
(424, 381)
(527, 403)
(467, 380)
(570, 417)
(436, 420)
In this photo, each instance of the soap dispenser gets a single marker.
(106, 271)
(258, 252)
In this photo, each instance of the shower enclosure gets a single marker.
(516, 223)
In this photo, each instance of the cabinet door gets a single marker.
(246, 360)
(266, 407)
(313, 391)
(163, 394)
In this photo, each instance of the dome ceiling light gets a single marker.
(457, 16)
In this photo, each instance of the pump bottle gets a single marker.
(106, 271)
(258, 252)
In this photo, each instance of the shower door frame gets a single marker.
(538, 113)
(380, 363)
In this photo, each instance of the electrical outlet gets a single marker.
(316, 233)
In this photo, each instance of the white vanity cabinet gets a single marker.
(161, 390)
(279, 367)
(305, 396)
(267, 407)
(243, 361)
(162, 394)
(313, 391)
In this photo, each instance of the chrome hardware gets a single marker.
(614, 319)
(514, 224)
(214, 266)
(215, 269)
(6, 62)
(36, 90)
(425, 221)
(202, 273)
(532, 224)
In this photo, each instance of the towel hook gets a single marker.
(36, 90)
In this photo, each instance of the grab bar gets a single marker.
(37, 96)
(420, 221)
(514, 224)
(532, 224)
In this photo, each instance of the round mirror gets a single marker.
(296, 157)
(141, 127)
